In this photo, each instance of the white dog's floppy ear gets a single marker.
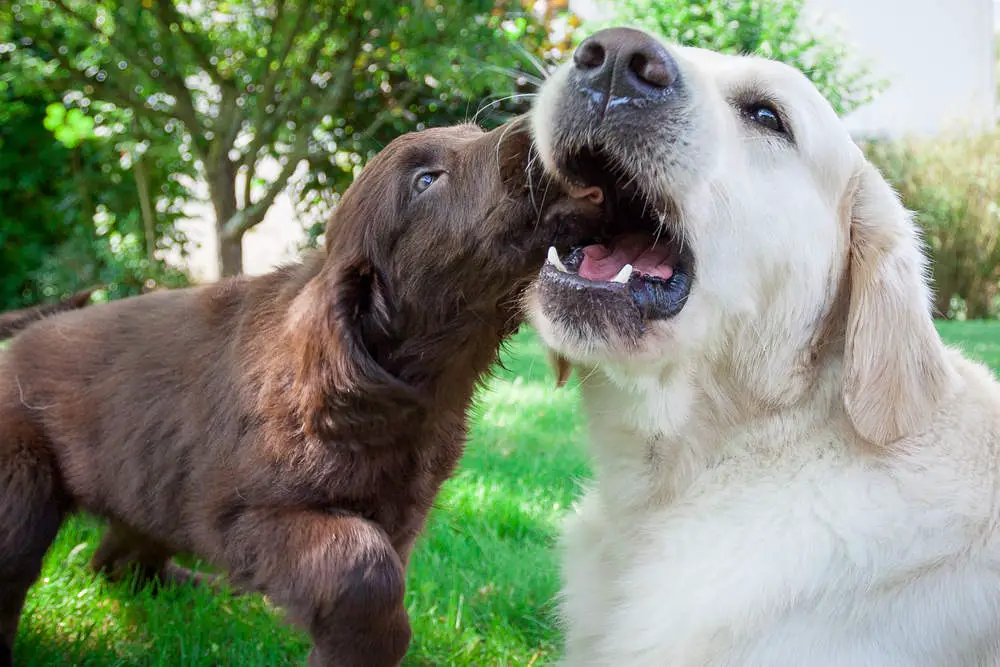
(895, 370)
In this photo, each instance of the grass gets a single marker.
(977, 338)
(482, 578)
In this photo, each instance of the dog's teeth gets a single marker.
(554, 259)
(623, 275)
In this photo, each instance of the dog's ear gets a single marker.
(895, 370)
(561, 366)
(337, 320)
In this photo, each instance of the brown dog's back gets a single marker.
(15, 320)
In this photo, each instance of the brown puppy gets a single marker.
(13, 321)
(291, 428)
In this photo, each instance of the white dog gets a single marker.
(791, 468)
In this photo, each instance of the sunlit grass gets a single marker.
(482, 579)
(979, 339)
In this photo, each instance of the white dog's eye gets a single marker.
(765, 116)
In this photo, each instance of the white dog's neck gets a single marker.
(666, 430)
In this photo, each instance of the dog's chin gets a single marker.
(598, 337)
(610, 293)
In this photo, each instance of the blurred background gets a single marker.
(158, 142)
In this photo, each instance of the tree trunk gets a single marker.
(145, 208)
(222, 186)
(230, 255)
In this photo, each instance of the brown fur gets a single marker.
(15, 320)
(292, 428)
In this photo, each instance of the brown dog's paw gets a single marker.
(142, 574)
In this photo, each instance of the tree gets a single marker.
(69, 205)
(323, 83)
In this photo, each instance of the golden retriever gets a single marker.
(791, 468)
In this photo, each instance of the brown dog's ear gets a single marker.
(560, 364)
(340, 387)
(895, 370)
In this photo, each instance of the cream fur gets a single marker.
(794, 470)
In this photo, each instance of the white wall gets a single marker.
(938, 56)
(273, 242)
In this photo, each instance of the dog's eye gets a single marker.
(425, 180)
(765, 116)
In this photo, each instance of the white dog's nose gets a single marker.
(625, 65)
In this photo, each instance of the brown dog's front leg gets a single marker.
(123, 551)
(337, 574)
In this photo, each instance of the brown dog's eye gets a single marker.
(765, 116)
(425, 180)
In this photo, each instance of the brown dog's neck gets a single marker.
(366, 385)
(445, 362)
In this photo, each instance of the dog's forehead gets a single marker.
(731, 70)
(819, 131)
(461, 132)
(434, 139)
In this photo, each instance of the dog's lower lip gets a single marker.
(654, 297)
(571, 279)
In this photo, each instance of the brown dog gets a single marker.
(291, 428)
(13, 321)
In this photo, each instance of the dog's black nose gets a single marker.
(625, 64)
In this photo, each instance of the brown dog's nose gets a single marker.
(625, 64)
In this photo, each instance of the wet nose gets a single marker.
(625, 64)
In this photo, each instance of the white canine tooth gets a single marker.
(554, 259)
(623, 275)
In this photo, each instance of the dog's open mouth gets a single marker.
(639, 255)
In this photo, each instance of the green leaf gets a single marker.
(54, 115)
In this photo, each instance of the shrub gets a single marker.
(769, 28)
(952, 183)
(69, 214)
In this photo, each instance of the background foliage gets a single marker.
(239, 84)
(952, 183)
(69, 212)
(770, 28)
(953, 186)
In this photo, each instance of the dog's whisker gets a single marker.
(538, 209)
(489, 105)
(543, 72)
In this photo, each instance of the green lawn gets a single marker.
(979, 339)
(482, 579)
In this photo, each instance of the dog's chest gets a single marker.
(395, 487)
(773, 562)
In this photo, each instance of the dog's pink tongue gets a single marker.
(603, 263)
